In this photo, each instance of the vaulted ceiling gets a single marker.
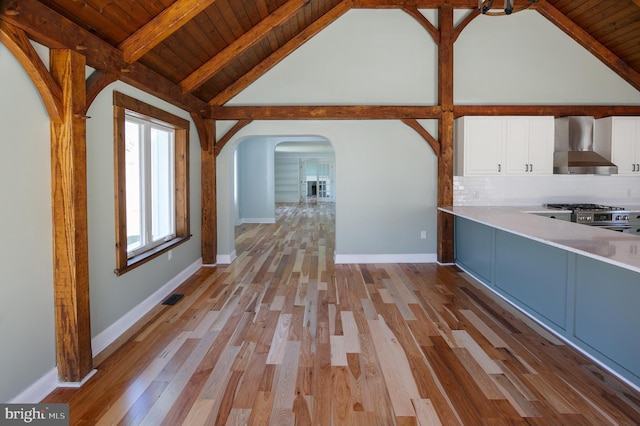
(195, 53)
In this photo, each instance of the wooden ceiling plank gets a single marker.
(55, 31)
(326, 112)
(590, 43)
(161, 27)
(18, 44)
(257, 33)
(318, 25)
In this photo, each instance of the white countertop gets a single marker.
(608, 246)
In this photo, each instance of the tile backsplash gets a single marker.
(538, 190)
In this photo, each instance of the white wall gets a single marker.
(112, 296)
(27, 332)
(256, 181)
(385, 194)
(27, 329)
(525, 59)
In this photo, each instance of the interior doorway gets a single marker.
(317, 181)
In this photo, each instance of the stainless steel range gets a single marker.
(607, 217)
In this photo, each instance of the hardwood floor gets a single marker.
(283, 336)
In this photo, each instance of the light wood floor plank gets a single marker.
(283, 336)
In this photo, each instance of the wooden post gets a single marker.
(70, 232)
(207, 133)
(445, 130)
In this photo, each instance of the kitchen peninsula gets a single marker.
(581, 282)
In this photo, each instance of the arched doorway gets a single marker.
(250, 168)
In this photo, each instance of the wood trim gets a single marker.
(162, 26)
(122, 104)
(120, 193)
(245, 42)
(51, 29)
(243, 82)
(422, 20)
(467, 19)
(206, 130)
(70, 229)
(149, 111)
(325, 112)
(433, 142)
(597, 111)
(445, 130)
(588, 42)
(18, 44)
(208, 196)
(227, 137)
(96, 82)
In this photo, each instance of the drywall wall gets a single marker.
(27, 329)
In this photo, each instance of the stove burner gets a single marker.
(616, 218)
(584, 207)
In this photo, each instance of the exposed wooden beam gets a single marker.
(325, 112)
(70, 229)
(422, 20)
(597, 111)
(433, 142)
(245, 42)
(162, 26)
(227, 137)
(588, 42)
(207, 131)
(51, 29)
(420, 4)
(273, 59)
(445, 133)
(97, 81)
(467, 19)
(18, 44)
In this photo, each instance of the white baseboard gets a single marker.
(257, 220)
(49, 381)
(111, 333)
(226, 259)
(38, 389)
(386, 258)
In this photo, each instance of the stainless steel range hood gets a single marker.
(574, 148)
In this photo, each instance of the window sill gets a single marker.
(143, 258)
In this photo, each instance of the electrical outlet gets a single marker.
(170, 254)
(423, 235)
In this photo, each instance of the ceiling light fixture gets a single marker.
(486, 5)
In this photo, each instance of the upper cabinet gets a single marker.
(511, 145)
(619, 138)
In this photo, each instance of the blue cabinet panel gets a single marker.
(533, 273)
(590, 303)
(474, 248)
(606, 311)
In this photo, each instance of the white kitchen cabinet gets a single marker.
(618, 138)
(511, 145)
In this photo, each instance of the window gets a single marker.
(151, 167)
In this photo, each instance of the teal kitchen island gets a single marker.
(580, 282)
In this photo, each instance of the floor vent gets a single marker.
(173, 299)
